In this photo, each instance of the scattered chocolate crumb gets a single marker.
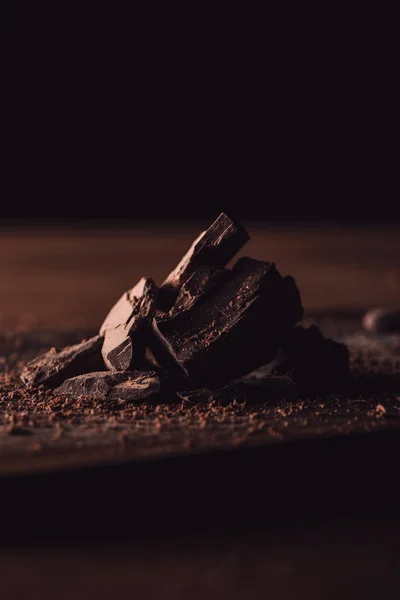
(380, 410)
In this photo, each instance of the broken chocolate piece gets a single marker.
(193, 292)
(137, 301)
(200, 282)
(95, 385)
(124, 386)
(141, 387)
(317, 364)
(118, 350)
(127, 326)
(383, 321)
(53, 367)
(234, 326)
(215, 246)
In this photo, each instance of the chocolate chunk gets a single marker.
(192, 293)
(317, 364)
(224, 395)
(138, 301)
(53, 367)
(235, 325)
(382, 321)
(141, 387)
(200, 282)
(215, 246)
(124, 386)
(127, 326)
(95, 385)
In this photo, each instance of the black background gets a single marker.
(110, 112)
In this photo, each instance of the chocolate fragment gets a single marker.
(201, 281)
(104, 385)
(129, 304)
(215, 246)
(317, 364)
(382, 321)
(127, 326)
(235, 325)
(95, 385)
(141, 387)
(53, 367)
(193, 292)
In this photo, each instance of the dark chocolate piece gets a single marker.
(201, 281)
(224, 395)
(53, 367)
(144, 385)
(317, 364)
(215, 246)
(235, 325)
(125, 386)
(127, 326)
(138, 301)
(382, 321)
(193, 292)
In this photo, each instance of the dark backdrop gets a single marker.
(110, 112)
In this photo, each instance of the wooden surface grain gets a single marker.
(68, 277)
(300, 520)
(55, 281)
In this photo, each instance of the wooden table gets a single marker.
(282, 525)
(69, 276)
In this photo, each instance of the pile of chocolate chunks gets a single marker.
(206, 332)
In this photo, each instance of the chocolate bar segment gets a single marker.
(127, 326)
(53, 367)
(233, 327)
(215, 247)
(199, 283)
(137, 301)
(142, 386)
(121, 386)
